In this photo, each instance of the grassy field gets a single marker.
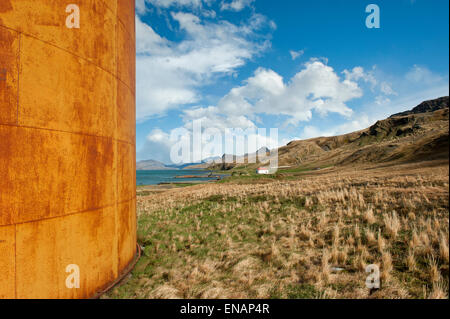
(300, 234)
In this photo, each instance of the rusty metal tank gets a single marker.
(67, 146)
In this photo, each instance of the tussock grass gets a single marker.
(306, 238)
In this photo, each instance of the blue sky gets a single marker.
(308, 68)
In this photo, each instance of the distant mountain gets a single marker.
(152, 165)
(228, 161)
(416, 135)
(179, 166)
(209, 162)
(213, 159)
(419, 134)
(206, 163)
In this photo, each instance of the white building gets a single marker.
(263, 171)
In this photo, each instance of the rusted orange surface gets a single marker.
(45, 20)
(9, 64)
(67, 146)
(7, 265)
(66, 92)
(126, 232)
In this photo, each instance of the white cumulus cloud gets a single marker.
(421, 74)
(170, 73)
(236, 5)
(296, 54)
(316, 87)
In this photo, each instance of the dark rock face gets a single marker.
(405, 123)
(427, 106)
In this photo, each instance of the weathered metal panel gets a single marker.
(45, 248)
(61, 91)
(125, 171)
(45, 174)
(7, 261)
(67, 146)
(126, 15)
(126, 116)
(126, 232)
(9, 64)
(126, 52)
(45, 20)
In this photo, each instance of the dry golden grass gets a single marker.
(310, 237)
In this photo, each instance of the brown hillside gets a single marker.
(408, 136)
(419, 134)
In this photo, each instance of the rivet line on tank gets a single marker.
(78, 56)
(72, 214)
(68, 132)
